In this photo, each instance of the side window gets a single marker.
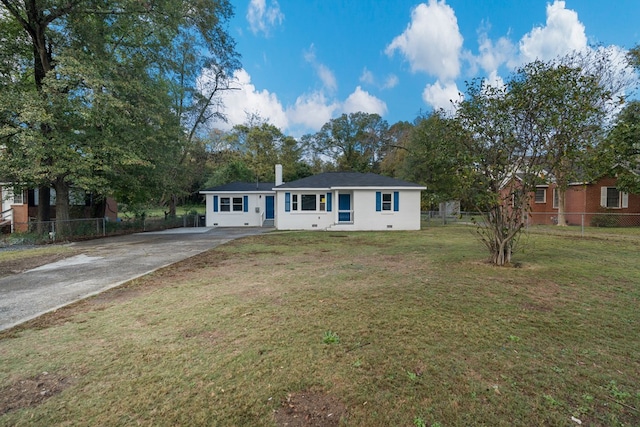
(386, 201)
(225, 204)
(541, 195)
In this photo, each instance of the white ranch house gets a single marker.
(327, 201)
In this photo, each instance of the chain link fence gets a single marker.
(37, 232)
(577, 223)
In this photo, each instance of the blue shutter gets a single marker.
(378, 201)
(215, 203)
(396, 201)
(246, 204)
(287, 202)
(328, 202)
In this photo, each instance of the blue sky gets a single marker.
(305, 62)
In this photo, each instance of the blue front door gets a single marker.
(344, 207)
(268, 209)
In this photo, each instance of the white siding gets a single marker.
(252, 218)
(365, 216)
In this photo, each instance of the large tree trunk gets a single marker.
(44, 209)
(561, 211)
(62, 208)
(99, 207)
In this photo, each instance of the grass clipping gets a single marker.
(370, 329)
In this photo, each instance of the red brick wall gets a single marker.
(579, 199)
(20, 217)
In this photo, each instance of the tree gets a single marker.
(352, 141)
(564, 109)
(503, 161)
(199, 65)
(262, 146)
(437, 156)
(621, 150)
(394, 152)
(93, 110)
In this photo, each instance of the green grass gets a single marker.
(429, 334)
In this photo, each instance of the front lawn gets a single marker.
(373, 329)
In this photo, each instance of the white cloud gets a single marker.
(391, 82)
(324, 73)
(361, 100)
(307, 115)
(563, 33)
(432, 41)
(263, 18)
(441, 96)
(327, 77)
(312, 110)
(494, 80)
(367, 77)
(249, 100)
(492, 55)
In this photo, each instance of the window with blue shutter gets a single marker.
(378, 201)
(287, 202)
(246, 203)
(328, 202)
(215, 203)
(396, 201)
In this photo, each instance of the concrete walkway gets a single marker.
(103, 264)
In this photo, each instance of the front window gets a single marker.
(541, 195)
(308, 202)
(225, 204)
(294, 202)
(237, 204)
(323, 202)
(386, 201)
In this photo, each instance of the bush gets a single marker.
(605, 220)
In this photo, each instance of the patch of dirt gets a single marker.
(310, 409)
(16, 266)
(30, 392)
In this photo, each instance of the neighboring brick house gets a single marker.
(21, 207)
(584, 202)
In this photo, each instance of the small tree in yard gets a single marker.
(503, 165)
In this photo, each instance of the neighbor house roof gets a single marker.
(348, 180)
(241, 187)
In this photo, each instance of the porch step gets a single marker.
(268, 223)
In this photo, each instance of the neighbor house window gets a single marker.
(17, 197)
(237, 204)
(225, 204)
(555, 198)
(611, 197)
(308, 202)
(294, 202)
(541, 195)
(386, 201)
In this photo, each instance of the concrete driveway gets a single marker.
(103, 264)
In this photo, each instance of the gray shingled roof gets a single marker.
(347, 180)
(242, 187)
